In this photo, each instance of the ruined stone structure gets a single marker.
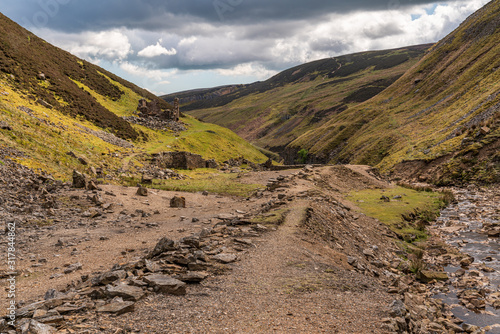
(152, 109)
(181, 160)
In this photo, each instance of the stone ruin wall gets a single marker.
(148, 109)
(182, 160)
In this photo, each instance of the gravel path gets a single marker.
(286, 284)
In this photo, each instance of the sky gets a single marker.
(168, 46)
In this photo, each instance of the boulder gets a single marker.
(141, 191)
(467, 261)
(35, 327)
(178, 202)
(397, 309)
(79, 180)
(429, 275)
(92, 186)
(5, 126)
(225, 258)
(110, 277)
(73, 267)
(212, 164)
(191, 241)
(192, 276)
(166, 284)
(28, 310)
(147, 179)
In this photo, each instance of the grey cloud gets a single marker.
(329, 44)
(273, 33)
(76, 15)
(382, 30)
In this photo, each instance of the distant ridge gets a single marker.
(275, 112)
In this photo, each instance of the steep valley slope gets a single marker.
(67, 114)
(273, 113)
(438, 120)
(443, 114)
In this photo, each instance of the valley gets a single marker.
(351, 194)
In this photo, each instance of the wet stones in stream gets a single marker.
(472, 227)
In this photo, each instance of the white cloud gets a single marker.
(247, 70)
(188, 41)
(139, 71)
(112, 45)
(156, 50)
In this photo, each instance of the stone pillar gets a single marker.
(176, 109)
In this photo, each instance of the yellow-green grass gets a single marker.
(205, 180)
(125, 106)
(276, 217)
(390, 213)
(47, 138)
(209, 140)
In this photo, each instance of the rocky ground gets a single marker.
(294, 258)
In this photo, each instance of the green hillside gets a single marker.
(77, 107)
(447, 107)
(273, 113)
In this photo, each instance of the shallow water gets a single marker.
(470, 213)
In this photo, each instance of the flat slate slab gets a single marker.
(192, 276)
(166, 284)
(225, 258)
(429, 275)
(117, 308)
(127, 292)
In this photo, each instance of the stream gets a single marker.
(471, 225)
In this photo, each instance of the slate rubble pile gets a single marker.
(25, 196)
(157, 123)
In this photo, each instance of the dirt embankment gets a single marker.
(295, 258)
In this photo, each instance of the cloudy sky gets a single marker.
(173, 45)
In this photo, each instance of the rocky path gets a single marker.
(220, 265)
(284, 284)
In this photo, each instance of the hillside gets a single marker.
(53, 103)
(447, 107)
(273, 113)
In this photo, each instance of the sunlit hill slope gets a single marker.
(52, 102)
(446, 108)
